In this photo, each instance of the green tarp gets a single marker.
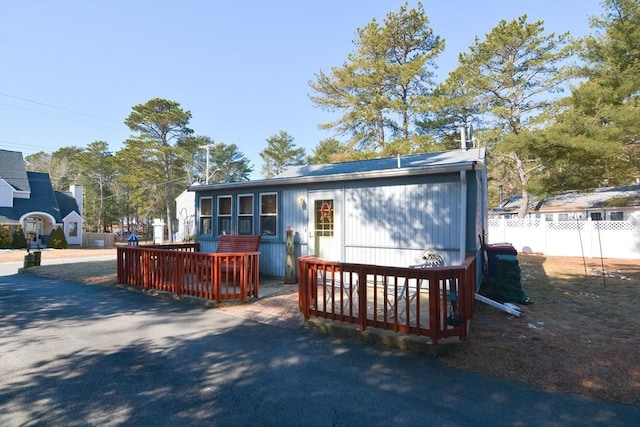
(505, 281)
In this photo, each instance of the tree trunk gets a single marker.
(169, 212)
(524, 206)
(170, 203)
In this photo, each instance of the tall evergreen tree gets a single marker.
(597, 134)
(281, 152)
(226, 162)
(95, 165)
(454, 104)
(380, 86)
(514, 73)
(327, 151)
(154, 165)
(229, 164)
(61, 165)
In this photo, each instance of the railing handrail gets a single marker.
(447, 287)
(421, 272)
(171, 268)
(170, 248)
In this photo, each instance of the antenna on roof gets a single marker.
(466, 136)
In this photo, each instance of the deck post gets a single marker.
(362, 298)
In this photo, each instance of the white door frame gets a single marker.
(334, 251)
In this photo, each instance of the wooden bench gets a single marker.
(238, 243)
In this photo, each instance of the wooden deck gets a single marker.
(406, 300)
(182, 270)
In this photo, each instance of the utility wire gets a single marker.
(58, 108)
(59, 116)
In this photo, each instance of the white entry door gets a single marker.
(324, 225)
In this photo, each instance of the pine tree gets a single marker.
(511, 74)
(380, 87)
(152, 163)
(19, 241)
(57, 240)
(5, 237)
(280, 153)
(597, 133)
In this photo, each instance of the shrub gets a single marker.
(57, 239)
(19, 241)
(5, 237)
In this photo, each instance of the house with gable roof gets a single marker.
(385, 211)
(601, 204)
(604, 222)
(28, 200)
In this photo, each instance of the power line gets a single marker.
(56, 115)
(13, 146)
(58, 108)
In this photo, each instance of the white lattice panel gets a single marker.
(616, 225)
(566, 225)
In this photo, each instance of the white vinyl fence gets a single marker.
(593, 239)
(98, 240)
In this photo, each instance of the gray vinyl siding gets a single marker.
(272, 250)
(393, 225)
(291, 214)
(381, 224)
(385, 219)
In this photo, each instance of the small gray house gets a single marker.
(383, 211)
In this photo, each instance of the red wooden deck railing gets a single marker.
(181, 270)
(407, 300)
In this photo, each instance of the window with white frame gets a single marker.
(269, 214)
(224, 215)
(245, 214)
(596, 216)
(616, 216)
(205, 214)
(73, 229)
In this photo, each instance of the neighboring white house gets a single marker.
(185, 215)
(27, 199)
(610, 203)
(601, 223)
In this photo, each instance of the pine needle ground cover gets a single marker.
(581, 335)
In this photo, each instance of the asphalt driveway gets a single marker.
(74, 354)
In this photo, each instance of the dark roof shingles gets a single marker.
(13, 170)
(42, 199)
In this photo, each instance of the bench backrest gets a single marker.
(238, 243)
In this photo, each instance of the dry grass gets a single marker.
(92, 272)
(580, 335)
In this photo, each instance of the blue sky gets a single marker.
(70, 71)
